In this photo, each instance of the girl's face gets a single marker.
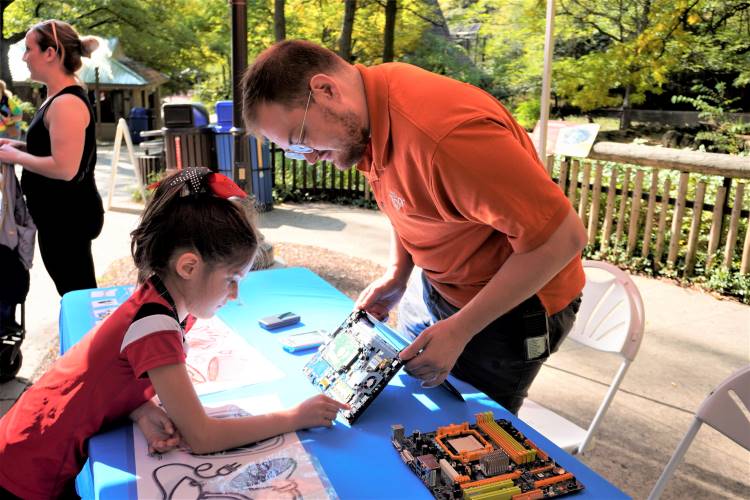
(215, 286)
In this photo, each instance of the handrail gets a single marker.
(683, 160)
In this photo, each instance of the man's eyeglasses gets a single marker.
(298, 151)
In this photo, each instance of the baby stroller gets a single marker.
(12, 334)
(17, 232)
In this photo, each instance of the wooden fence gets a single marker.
(676, 208)
(681, 209)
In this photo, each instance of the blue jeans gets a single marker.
(494, 361)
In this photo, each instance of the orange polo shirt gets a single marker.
(460, 182)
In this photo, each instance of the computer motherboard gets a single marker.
(355, 363)
(487, 460)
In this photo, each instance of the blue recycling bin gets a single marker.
(259, 156)
(261, 172)
(224, 150)
(224, 113)
(224, 139)
(138, 122)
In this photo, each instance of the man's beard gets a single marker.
(354, 145)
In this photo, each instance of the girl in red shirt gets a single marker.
(193, 245)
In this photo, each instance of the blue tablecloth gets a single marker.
(360, 461)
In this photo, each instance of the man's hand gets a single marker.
(434, 352)
(381, 295)
(159, 431)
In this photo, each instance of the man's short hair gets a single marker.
(281, 74)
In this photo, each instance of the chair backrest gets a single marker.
(611, 317)
(723, 412)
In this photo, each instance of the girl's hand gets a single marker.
(318, 411)
(159, 431)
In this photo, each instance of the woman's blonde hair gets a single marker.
(62, 37)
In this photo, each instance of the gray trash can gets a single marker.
(188, 139)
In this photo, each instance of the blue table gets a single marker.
(360, 461)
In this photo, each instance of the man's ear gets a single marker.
(187, 265)
(325, 86)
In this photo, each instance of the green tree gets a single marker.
(181, 38)
(608, 52)
(643, 42)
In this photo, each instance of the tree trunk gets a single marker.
(389, 35)
(625, 115)
(4, 47)
(279, 20)
(5, 65)
(345, 42)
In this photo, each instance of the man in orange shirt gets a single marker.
(497, 242)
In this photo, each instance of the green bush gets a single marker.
(713, 106)
(715, 278)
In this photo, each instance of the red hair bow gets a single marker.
(223, 187)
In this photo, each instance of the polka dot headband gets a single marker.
(197, 180)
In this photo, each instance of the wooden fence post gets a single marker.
(650, 212)
(562, 181)
(734, 222)
(610, 208)
(623, 206)
(745, 264)
(679, 212)
(573, 186)
(584, 192)
(635, 212)
(716, 222)
(662, 222)
(595, 202)
(695, 225)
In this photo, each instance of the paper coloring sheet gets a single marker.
(277, 468)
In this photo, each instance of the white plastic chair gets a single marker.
(610, 319)
(720, 411)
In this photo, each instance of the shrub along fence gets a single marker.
(665, 211)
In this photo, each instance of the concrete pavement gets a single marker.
(692, 342)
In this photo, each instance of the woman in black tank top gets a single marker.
(59, 157)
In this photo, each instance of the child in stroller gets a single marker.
(17, 232)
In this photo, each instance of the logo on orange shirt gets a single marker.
(397, 201)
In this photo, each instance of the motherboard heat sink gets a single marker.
(488, 460)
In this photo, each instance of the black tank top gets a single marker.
(54, 200)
